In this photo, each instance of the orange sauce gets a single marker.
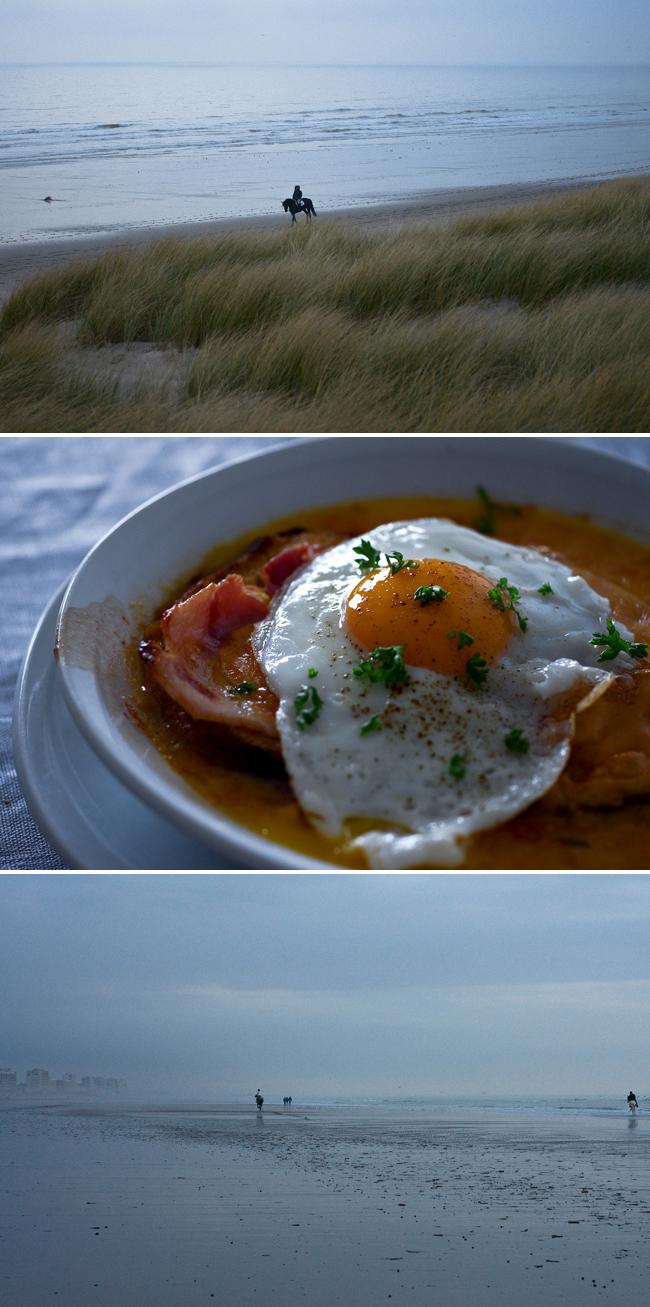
(251, 788)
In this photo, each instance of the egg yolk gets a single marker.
(382, 610)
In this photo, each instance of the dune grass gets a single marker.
(533, 319)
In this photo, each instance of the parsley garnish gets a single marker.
(477, 669)
(369, 557)
(397, 561)
(486, 523)
(456, 766)
(385, 664)
(505, 597)
(430, 594)
(312, 673)
(545, 589)
(464, 638)
(615, 644)
(516, 741)
(246, 687)
(374, 724)
(307, 705)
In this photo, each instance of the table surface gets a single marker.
(58, 495)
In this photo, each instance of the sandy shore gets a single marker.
(30, 258)
(322, 1206)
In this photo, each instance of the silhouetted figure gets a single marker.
(290, 1100)
(297, 195)
(259, 1101)
(632, 1103)
(303, 206)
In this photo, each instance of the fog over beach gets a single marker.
(458, 1050)
(324, 1204)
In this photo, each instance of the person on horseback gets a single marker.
(297, 195)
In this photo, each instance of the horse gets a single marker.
(305, 207)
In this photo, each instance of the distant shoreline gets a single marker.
(20, 261)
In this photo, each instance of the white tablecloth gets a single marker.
(58, 495)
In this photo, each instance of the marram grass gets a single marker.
(533, 319)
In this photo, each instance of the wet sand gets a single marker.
(19, 262)
(321, 1206)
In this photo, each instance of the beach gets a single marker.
(321, 1204)
(22, 260)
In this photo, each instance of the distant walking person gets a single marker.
(259, 1101)
(632, 1103)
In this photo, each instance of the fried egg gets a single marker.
(427, 682)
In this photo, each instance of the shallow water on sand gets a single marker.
(141, 1206)
(124, 146)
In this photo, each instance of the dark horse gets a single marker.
(305, 207)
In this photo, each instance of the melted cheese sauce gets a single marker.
(250, 788)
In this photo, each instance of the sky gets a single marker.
(321, 986)
(328, 31)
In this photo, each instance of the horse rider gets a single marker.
(297, 195)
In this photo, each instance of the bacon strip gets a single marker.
(203, 620)
(283, 565)
(205, 654)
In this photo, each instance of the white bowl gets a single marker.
(128, 574)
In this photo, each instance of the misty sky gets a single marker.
(328, 31)
(329, 985)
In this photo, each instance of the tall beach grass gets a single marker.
(533, 319)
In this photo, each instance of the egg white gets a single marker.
(396, 780)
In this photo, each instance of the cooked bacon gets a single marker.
(209, 614)
(201, 650)
(205, 654)
(283, 565)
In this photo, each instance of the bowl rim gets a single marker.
(189, 810)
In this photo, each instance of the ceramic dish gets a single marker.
(130, 571)
(72, 795)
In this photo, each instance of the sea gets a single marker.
(124, 146)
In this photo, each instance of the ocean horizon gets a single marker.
(121, 146)
(345, 1107)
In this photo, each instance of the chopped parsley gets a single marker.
(486, 523)
(397, 561)
(456, 766)
(369, 557)
(477, 669)
(464, 638)
(313, 671)
(430, 594)
(516, 741)
(614, 644)
(384, 664)
(374, 724)
(545, 589)
(307, 705)
(506, 597)
(246, 687)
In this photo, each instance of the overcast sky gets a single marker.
(328, 31)
(329, 985)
